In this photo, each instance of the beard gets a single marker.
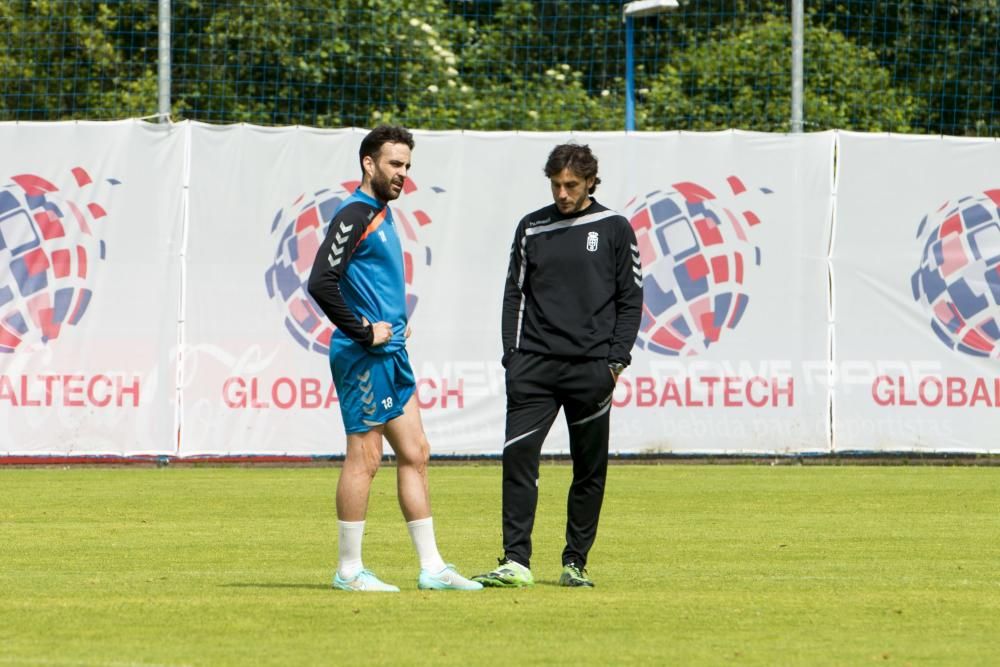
(574, 205)
(382, 186)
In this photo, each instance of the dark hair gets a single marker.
(372, 144)
(577, 159)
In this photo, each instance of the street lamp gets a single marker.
(630, 11)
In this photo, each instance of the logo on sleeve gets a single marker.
(339, 245)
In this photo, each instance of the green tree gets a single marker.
(306, 62)
(743, 80)
(518, 68)
(902, 65)
(58, 58)
(943, 51)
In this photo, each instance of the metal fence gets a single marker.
(928, 66)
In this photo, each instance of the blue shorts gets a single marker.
(371, 388)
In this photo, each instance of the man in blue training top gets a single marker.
(358, 281)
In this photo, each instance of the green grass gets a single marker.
(693, 564)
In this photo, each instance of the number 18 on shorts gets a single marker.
(371, 388)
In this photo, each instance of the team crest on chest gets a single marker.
(592, 239)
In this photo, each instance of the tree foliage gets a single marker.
(313, 62)
(519, 71)
(57, 57)
(944, 51)
(900, 65)
(742, 80)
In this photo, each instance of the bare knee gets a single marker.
(369, 464)
(416, 454)
(364, 457)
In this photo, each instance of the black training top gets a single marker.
(574, 286)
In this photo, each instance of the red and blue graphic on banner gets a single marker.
(300, 234)
(695, 252)
(958, 281)
(49, 243)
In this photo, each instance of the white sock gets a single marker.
(350, 534)
(422, 534)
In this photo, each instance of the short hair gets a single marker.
(578, 159)
(372, 144)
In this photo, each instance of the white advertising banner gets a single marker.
(255, 377)
(916, 277)
(256, 373)
(733, 230)
(89, 287)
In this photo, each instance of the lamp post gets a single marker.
(630, 11)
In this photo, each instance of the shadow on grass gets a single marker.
(322, 587)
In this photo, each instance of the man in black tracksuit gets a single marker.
(571, 312)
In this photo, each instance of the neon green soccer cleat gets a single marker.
(575, 577)
(364, 581)
(508, 574)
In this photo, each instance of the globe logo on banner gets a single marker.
(301, 228)
(958, 282)
(49, 245)
(696, 255)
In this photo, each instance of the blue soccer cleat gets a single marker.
(447, 579)
(363, 581)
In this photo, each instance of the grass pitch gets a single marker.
(693, 564)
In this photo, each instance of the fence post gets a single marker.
(629, 77)
(797, 48)
(163, 73)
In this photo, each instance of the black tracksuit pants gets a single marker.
(537, 386)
